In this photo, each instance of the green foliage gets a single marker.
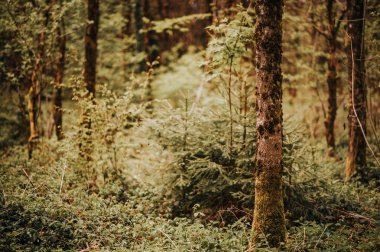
(169, 25)
(35, 215)
(111, 116)
(210, 170)
(220, 181)
(57, 225)
(43, 207)
(231, 40)
(206, 173)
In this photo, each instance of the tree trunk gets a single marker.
(331, 80)
(269, 219)
(34, 92)
(152, 45)
(126, 31)
(90, 40)
(139, 25)
(57, 99)
(356, 158)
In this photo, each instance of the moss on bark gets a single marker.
(269, 218)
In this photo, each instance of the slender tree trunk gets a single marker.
(356, 158)
(90, 41)
(139, 25)
(331, 80)
(207, 22)
(269, 219)
(332, 101)
(244, 111)
(34, 92)
(214, 11)
(152, 44)
(126, 31)
(151, 48)
(57, 99)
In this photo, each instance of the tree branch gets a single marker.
(337, 26)
(323, 33)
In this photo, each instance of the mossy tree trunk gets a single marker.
(269, 219)
(356, 158)
(57, 99)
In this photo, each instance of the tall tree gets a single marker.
(152, 11)
(35, 89)
(269, 218)
(126, 31)
(58, 79)
(331, 36)
(356, 158)
(139, 25)
(90, 42)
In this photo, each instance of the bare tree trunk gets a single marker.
(152, 44)
(139, 25)
(269, 218)
(34, 92)
(57, 99)
(126, 31)
(356, 158)
(90, 40)
(331, 80)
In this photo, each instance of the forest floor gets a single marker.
(46, 204)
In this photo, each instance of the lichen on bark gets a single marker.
(269, 219)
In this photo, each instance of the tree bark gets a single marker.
(126, 31)
(152, 44)
(269, 219)
(34, 91)
(57, 99)
(91, 42)
(139, 25)
(331, 80)
(356, 158)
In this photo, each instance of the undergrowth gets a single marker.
(199, 200)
